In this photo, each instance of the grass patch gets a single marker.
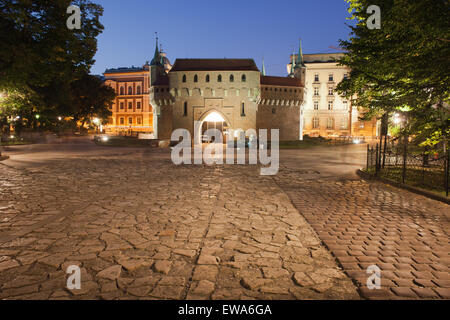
(15, 142)
(124, 142)
(309, 142)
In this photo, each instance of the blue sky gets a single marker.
(218, 29)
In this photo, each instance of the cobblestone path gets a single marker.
(142, 228)
(404, 234)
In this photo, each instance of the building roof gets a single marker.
(322, 57)
(214, 65)
(280, 81)
(157, 58)
(124, 70)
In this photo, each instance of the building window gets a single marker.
(196, 78)
(138, 106)
(130, 120)
(244, 78)
(138, 90)
(315, 123)
(344, 123)
(122, 105)
(130, 91)
(130, 105)
(122, 121)
(330, 105)
(330, 91)
(330, 77)
(122, 91)
(184, 78)
(243, 109)
(219, 78)
(316, 78)
(207, 78)
(185, 107)
(231, 78)
(316, 105)
(316, 91)
(330, 123)
(139, 120)
(345, 105)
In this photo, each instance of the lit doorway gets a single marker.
(214, 121)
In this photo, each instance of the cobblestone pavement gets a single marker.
(141, 228)
(363, 224)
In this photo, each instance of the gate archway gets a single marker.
(212, 120)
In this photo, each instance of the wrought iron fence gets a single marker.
(408, 165)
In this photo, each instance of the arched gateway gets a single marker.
(212, 119)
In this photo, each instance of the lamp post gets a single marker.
(96, 121)
(400, 119)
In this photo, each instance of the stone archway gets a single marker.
(212, 119)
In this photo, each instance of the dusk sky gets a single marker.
(218, 29)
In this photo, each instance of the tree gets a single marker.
(90, 98)
(40, 57)
(403, 66)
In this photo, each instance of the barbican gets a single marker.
(232, 94)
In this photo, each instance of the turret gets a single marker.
(299, 67)
(156, 66)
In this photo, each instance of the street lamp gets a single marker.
(397, 119)
(96, 121)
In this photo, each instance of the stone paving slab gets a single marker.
(141, 228)
(368, 223)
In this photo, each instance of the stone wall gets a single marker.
(284, 118)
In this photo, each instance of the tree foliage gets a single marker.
(91, 98)
(42, 61)
(404, 66)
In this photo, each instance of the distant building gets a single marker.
(131, 110)
(326, 113)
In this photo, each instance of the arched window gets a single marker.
(231, 78)
(138, 90)
(130, 91)
(122, 91)
(185, 105)
(196, 78)
(219, 78)
(207, 78)
(184, 78)
(244, 78)
(243, 109)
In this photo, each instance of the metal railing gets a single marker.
(409, 165)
